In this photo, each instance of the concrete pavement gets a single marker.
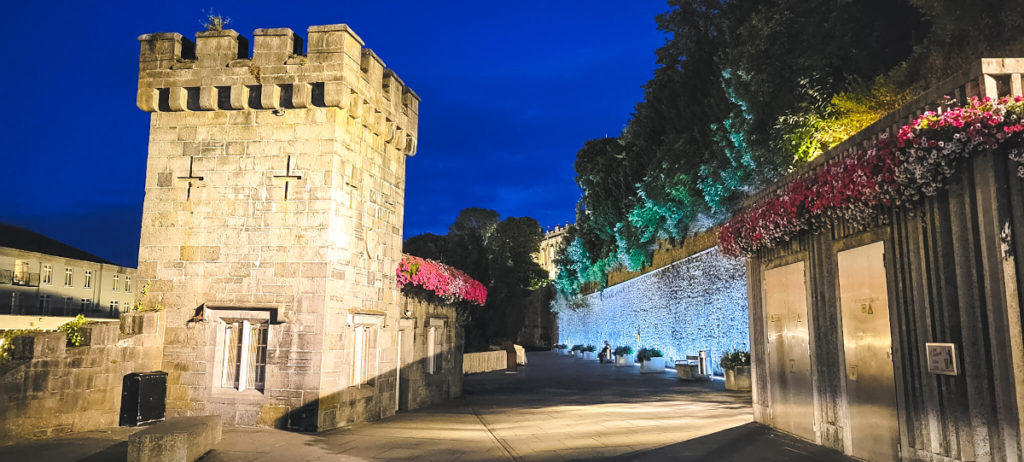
(556, 409)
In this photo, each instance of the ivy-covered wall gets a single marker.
(697, 303)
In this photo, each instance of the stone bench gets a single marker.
(175, 439)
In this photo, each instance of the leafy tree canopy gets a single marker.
(747, 89)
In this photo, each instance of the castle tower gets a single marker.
(272, 224)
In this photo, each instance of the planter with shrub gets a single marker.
(651, 361)
(589, 352)
(624, 356)
(736, 365)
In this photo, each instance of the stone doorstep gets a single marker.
(175, 439)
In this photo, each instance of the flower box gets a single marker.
(625, 360)
(653, 366)
(738, 378)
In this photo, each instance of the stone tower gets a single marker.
(272, 224)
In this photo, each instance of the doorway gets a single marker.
(789, 363)
(867, 349)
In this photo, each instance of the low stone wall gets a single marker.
(486, 361)
(48, 388)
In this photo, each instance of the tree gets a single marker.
(498, 253)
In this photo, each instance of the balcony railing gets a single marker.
(6, 276)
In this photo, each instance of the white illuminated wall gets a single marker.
(698, 303)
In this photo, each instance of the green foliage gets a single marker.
(142, 299)
(7, 342)
(214, 21)
(744, 91)
(498, 253)
(577, 348)
(560, 346)
(735, 358)
(623, 350)
(72, 330)
(589, 348)
(645, 354)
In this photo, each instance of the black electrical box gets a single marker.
(143, 398)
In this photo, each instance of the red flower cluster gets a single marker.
(446, 282)
(863, 185)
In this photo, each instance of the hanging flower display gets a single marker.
(896, 171)
(444, 281)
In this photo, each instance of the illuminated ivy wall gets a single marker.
(698, 303)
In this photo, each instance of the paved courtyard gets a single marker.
(554, 409)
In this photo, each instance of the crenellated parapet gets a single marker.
(217, 73)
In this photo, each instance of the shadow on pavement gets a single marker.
(744, 443)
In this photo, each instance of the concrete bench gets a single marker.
(176, 439)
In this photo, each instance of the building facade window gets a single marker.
(21, 273)
(44, 304)
(365, 354)
(48, 274)
(435, 345)
(127, 283)
(68, 302)
(244, 354)
(15, 309)
(113, 307)
(85, 305)
(88, 280)
(69, 279)
(115, 286)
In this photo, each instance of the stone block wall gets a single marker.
(48, 388)
(275, 183)
(418, 387)
(696, 303)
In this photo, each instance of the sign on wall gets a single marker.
(941, 358)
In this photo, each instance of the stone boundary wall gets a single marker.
(697, 303)
(48, 388)
(486, 361)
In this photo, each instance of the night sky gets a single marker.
(510, 91)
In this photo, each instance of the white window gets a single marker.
(114, 286)
(244, 354)
(21, 274)
(113, 307)
(69, 277)
(88, 279)
(85, 305)
(44, 304)
(47, 274)
(365, 354)
(435, 345)
(365, 348)
(68, 301)
(127, 283)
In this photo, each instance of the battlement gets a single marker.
(217, 73)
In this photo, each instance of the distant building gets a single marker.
(46, 277)
(545, 257)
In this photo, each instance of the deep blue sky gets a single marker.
(510, 90)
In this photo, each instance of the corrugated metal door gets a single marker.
(789, 364)
(867, 344)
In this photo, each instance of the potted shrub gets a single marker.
(577, 351)
(736, 365)
(624, 356)
(589, 352)
(561, 350)
(651, 361)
